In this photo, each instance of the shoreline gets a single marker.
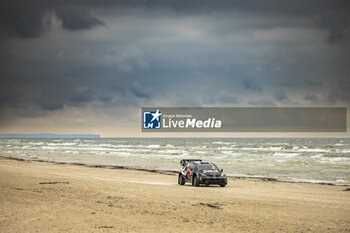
(271, 179)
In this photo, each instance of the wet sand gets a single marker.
(47, 197)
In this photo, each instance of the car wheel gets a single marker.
(195, 181)
(181, 180)
(222, 185)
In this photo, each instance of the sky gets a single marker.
(89, 66)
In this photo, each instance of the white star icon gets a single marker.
(156, 115)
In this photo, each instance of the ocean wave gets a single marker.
(312, 150)
(226, 152)
(201, 152)
(262, 148)
(36, 143)
(224, 148)
(287, 155)
(153, 146)
(224, 143)
(170, 151)
(277, 143)
(71, 152)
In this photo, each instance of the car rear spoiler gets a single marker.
(184, 161)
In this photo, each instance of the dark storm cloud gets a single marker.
(138, 92)
(21, 18)
(337, 25)
(249, 84)
(329, 98)
(76, 18)
(26, 19)
(262, 102)
(180, 53)
(281, 96)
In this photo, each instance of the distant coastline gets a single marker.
(49, 135)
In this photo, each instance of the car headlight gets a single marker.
(223, 174)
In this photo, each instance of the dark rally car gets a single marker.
(199, 172)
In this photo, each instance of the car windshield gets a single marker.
(205, 167)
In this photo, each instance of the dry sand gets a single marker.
(46, 197)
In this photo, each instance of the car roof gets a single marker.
(202, 162)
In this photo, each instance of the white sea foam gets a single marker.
(312, 150)
(317, 156)
(315, 181)
(224, 143)
(71, 152)
(153, 146)
(50, 147)
(286, 155)
(224, 148)
(226, 152)
(170, 151)
(341, 181)
(123, 154)
(36, 143)
(61, 144)
(278, 143)
(105, 144)
(262, 148)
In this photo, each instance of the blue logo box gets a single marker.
(152, 120)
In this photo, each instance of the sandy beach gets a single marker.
(47, 197)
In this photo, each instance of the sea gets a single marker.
(314, 160)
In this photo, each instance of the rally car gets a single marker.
(199, 172)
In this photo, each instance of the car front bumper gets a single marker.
(211, 180)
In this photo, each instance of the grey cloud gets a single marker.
(26, 19)
(262, 102)
(336, 23)
(51, 105)
(333, 97)
(138, 92)
(105, 97)
(81, 95)
(21, 18)
(74, 18)
(281, 96)
(313, 98)
(249, 84)
(329, 98)
(228, 99)
(220, 99)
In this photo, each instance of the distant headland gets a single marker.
(49, 135)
